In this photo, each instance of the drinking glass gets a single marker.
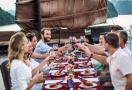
(52, 55)
(83, 39)
(67, 43)
(55, 47)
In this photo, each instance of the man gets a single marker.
(123, 36)
(42, 46)
(97, 49)
(119, 62)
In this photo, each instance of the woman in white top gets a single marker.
(19, 72)
(35, 67)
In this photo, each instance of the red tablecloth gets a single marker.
(76, 84)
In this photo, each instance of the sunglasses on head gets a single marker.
(32, 34)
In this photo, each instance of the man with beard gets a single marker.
(42, 46)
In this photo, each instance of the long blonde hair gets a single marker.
(14, 48)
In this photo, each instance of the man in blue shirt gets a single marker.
(42, 46)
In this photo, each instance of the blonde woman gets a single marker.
(19, 72)
(35, 66)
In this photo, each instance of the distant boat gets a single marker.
(73, 14)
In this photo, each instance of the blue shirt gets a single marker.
(41, 48)
(129, 53)
(126, 50)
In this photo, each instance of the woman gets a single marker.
(19, 72)
(101, 38)
(34, 66)
(33, 39)
(100, 66)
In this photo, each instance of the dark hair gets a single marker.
(116, 27)
(103, 33)
(123, 35)
(30, 36)
(112, 39)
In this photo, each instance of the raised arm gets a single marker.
(39, 66)
(63, 48)
(99, 58)
(95, 49)
(39, 56)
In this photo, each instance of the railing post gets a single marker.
(130, 35)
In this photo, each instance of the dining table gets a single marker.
(78, 72)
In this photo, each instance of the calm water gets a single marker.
(12, 27)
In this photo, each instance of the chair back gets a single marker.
(6, 75)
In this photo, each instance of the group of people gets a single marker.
(114, 53)
(29, 60)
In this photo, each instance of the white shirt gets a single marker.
(126, 50)
(45, 68)
(32, 65)
(129, 53)
(120, 65)
(20, 75)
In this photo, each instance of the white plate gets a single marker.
(57, 59)
(81, 58)
(82, 86)
(62, 73)
(84, 65)
(48, 87)
(59, 66)
(91, 72)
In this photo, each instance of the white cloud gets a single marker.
(7, 4)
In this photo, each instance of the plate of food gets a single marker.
(84, 64)
(59, 65)
(53, 86)
(58, 73)
(88, 84)
(87, 72)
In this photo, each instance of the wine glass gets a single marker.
(70, 39)
(77, 46)
(80, 50)
(67, 43)
(74, 40)
(55, 47)
(83, 39)
(52, 55)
